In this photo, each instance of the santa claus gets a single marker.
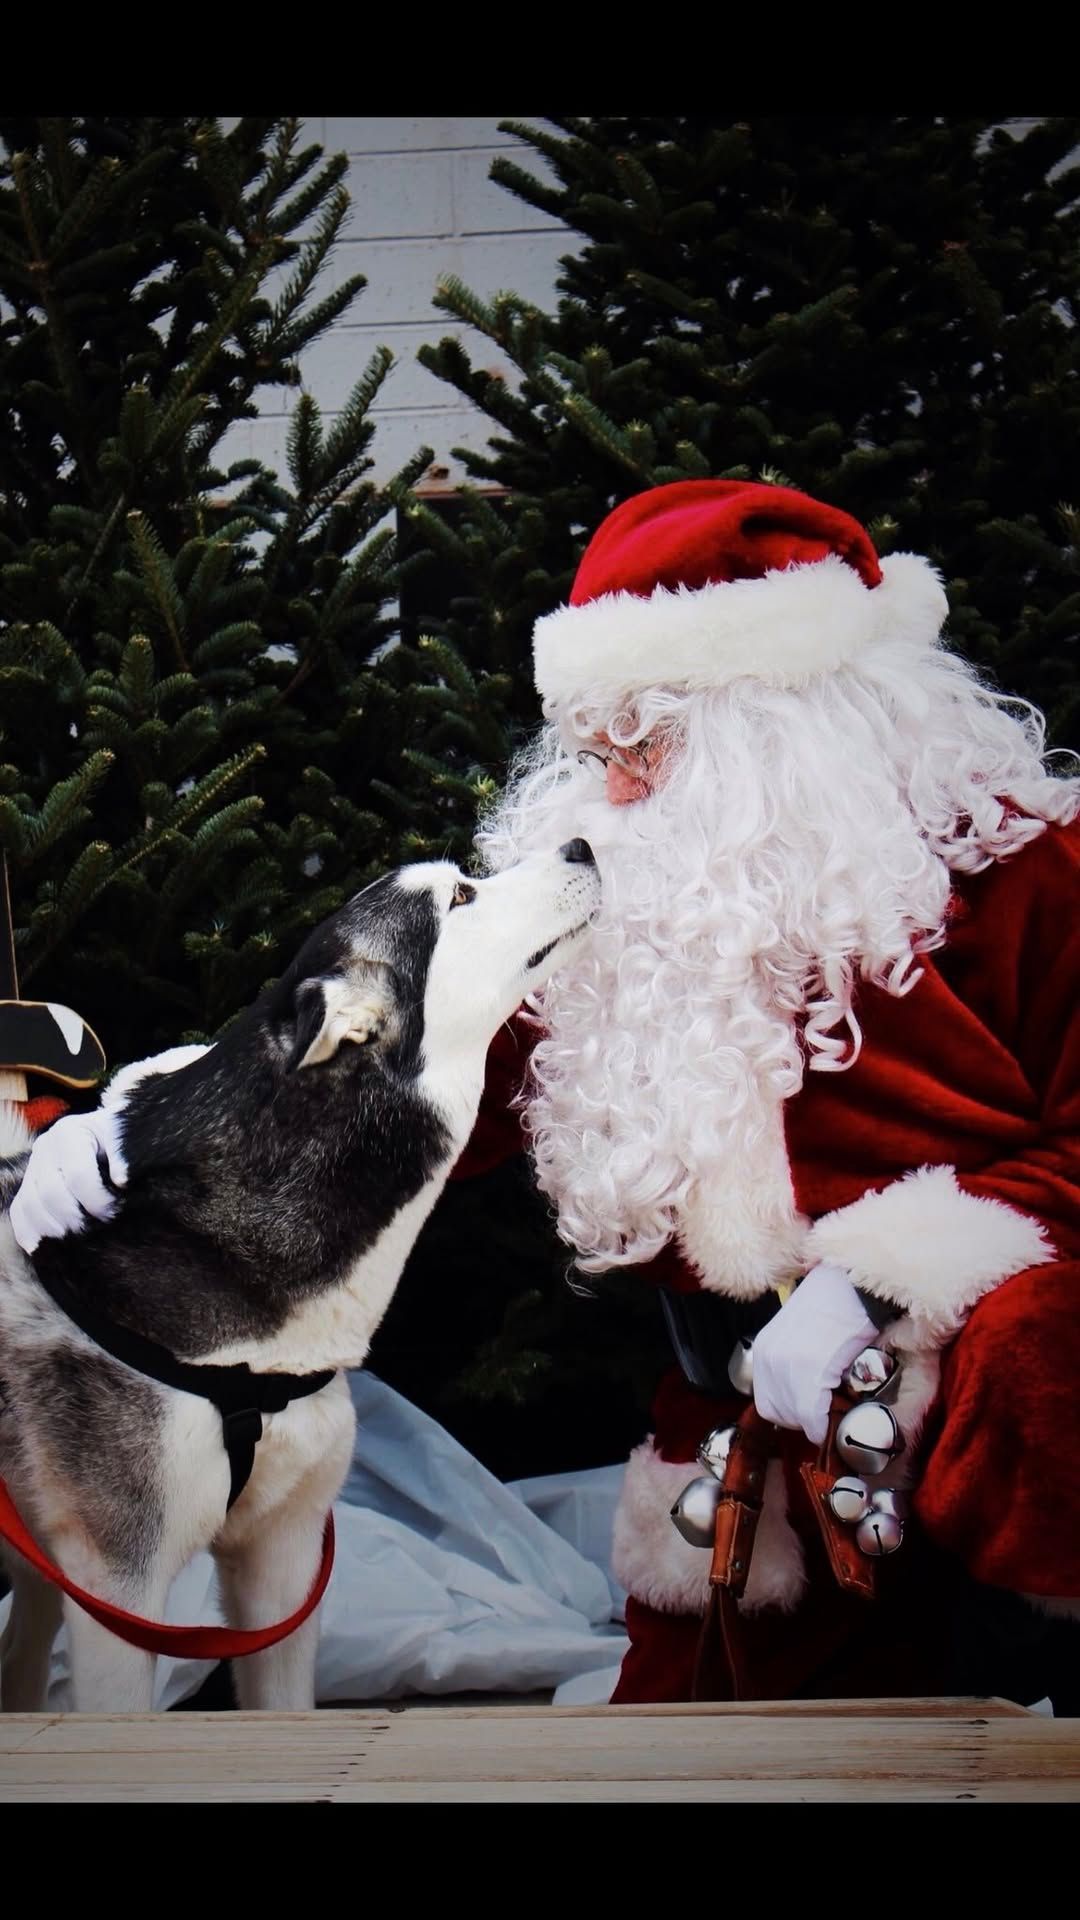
(816, 1076)
(824, 1045)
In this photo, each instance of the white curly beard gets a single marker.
(800, 840)
(657, 1086)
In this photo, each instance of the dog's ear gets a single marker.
(355, 1007)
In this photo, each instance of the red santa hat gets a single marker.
(705, 581)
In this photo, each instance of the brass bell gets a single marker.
(868, 1437)
(694, 1512)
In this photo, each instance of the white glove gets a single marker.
(62, 1183)
(800, 1355)
(62, 1187)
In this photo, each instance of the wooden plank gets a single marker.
(189, 1732)
(520, 1754)
(940, 1706)
(518, 1793)
(444, 1747)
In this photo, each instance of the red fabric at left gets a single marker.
(40, 1112)
(660, 1663)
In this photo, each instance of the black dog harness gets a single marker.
(240, 1396)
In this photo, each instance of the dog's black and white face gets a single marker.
(425, 964)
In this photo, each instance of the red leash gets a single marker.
(179, 1642)
(153, 1636)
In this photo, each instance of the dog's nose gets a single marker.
(579, 853)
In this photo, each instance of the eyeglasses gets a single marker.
(633, 760)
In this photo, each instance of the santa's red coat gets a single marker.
(943, 1169)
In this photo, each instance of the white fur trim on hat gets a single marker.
(925, 1245)
(658, 1567)
(784, 628)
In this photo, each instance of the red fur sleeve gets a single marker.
(1037, 911)
(938, 1238)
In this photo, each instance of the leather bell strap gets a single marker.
(154, 1636)
(720, 1669)
(739, 1508)
(741, 1496)
(853, 1571)
(723, 1669)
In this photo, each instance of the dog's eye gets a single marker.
(462, 895)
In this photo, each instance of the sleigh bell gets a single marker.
(714, 1449)
(868, 1438)
(892, 1500)
(879, 1533)
(849, 1499)
(741, 1366)
(870, 1370)
(694, 1512)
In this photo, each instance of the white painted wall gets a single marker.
(422, 206)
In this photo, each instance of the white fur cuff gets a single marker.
(930, 1248)
(649, 1558)
(657, 1566)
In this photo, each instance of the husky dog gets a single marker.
(277, 1184)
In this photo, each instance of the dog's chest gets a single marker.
(335, 1327)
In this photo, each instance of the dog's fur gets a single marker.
(277, 1184)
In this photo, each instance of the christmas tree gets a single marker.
(878, 309)
(200, 742)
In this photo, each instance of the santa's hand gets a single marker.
(62, 1186)
(800, 1355)
(63, 1189)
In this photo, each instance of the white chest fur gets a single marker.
(337, 1327)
